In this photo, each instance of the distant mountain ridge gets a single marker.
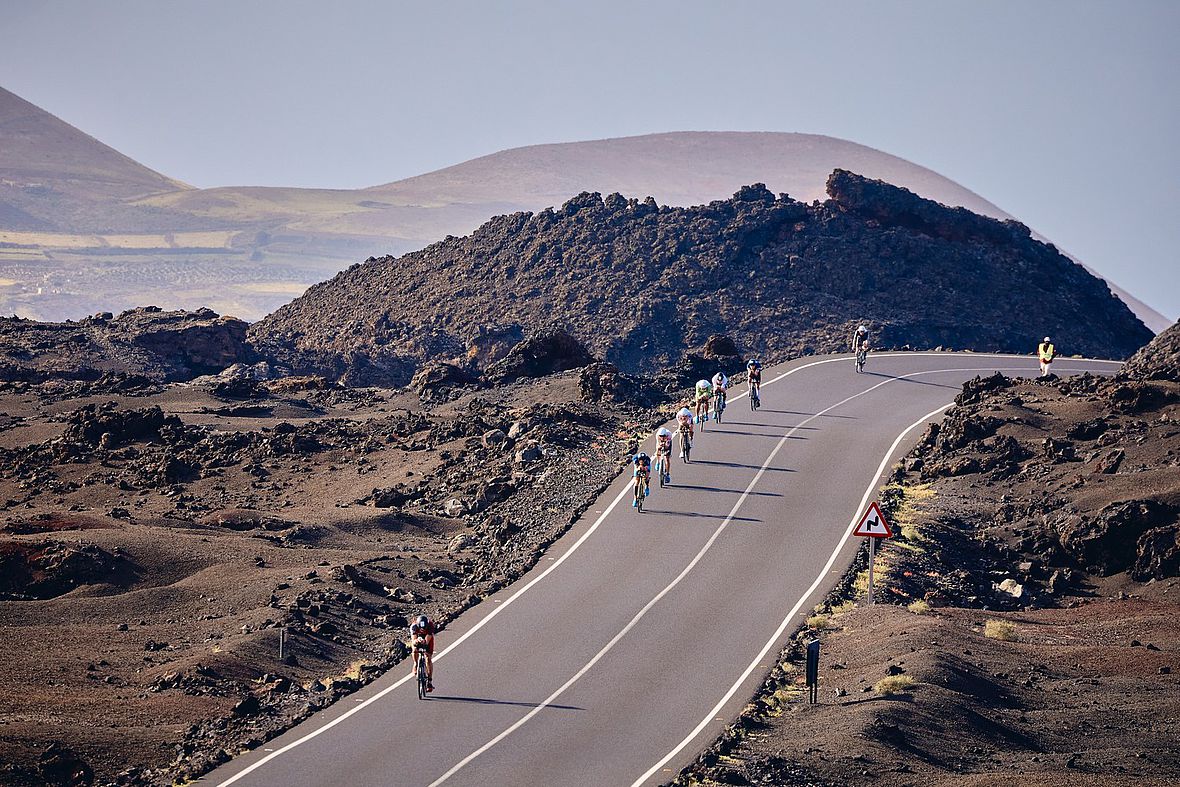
(50, 171)
(107, 233)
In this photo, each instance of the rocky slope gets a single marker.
(147, 342)
(640, 284)
(1029, 630)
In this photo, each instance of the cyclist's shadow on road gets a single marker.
(818, 415)
(488, 701)
(905, 379)
(696, 515)
(739, 464)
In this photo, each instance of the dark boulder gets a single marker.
(604, 382)
(49, 569)
(109, 427)
(1157, 554)
(240, 388)
(1133, 396)
(550, 351)
(436, 378)
(60, 766)
(1110, 542)
(975, 389)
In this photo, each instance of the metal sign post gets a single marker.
(872, 560)
(872, 525)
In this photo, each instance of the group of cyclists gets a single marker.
(707, 402)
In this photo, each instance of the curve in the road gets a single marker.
(655, 578)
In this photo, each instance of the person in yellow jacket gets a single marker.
(1046, 352)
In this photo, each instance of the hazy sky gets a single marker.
(1065, 114)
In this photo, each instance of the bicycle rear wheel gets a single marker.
(422, 680)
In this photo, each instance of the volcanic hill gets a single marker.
(85, 229)
(640, 284)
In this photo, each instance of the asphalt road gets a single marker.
(630, 646)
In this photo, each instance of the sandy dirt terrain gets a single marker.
(151, 556)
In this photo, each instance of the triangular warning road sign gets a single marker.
(873, 523)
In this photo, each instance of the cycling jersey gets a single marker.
(423, 632)
(427, 630)
(720, 382)
(664, 445)
(704, 389)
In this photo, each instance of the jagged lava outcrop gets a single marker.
(640, 284)
(162, 345)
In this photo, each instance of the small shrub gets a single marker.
(1001, 630)
(918, 607)
(842, 607)
(819, 622)
(894, 684)
(356, 669)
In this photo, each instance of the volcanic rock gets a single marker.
(49, 569)
(642, 285)
(149, 342)
(436, 378)
(1159, 360)
(602, 381)
(107, 426)
(543, 353)
(1109, 542)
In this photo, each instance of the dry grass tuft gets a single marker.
(894, 684)
(819, 623)
(1001, 630)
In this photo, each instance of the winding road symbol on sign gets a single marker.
(873, 524)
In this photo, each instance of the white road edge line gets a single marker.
(696, 559)
(712, 715)
(358, 708)
(495, 611)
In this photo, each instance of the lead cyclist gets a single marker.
(754, 377)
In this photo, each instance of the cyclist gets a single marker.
(754, 377)
(684, 428)
(1046, 352)
(704, 392)
(720, 390)
(642, 475)
(860, 345)
(422, 638)
(664, 452)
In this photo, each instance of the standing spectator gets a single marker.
(1046, 352)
